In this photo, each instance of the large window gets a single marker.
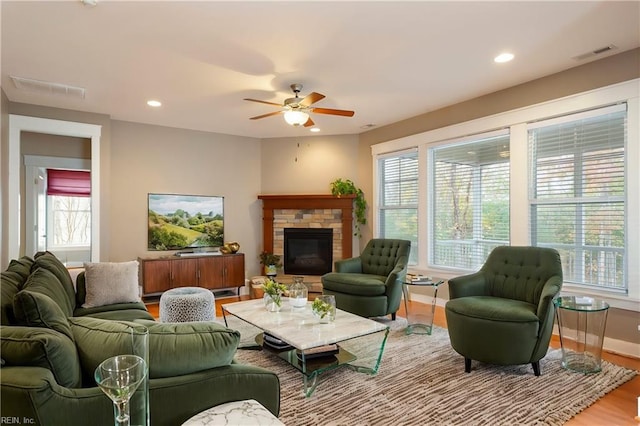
(398, 203)
(563, 174)
(577, 194)
(469, 200)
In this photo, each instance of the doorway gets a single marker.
(19, 124)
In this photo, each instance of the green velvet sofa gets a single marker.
(50, 346)
(370, 285)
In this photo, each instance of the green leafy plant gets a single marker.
(275, 290)
(347, 187)
(267, 259)
(321, 308)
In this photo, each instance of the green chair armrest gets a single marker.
(352, 265)
(467, 285)
(549, 292)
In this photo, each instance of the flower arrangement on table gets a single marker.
(321, 308)
(275, 290)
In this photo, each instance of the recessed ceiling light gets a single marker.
(368, 126)
(154, 103)
(314, 129)
(503, 57)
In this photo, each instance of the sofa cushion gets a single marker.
(40, 347)
(174, 349)
(21, 266)
(108, 283)
(182, 348)
(9, 286)
(51, 263)
(35, 309)
(118, 311)
(359, 284)
(44, 281)
(494, 308)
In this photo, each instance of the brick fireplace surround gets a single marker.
(307, 211)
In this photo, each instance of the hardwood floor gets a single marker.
(619, 407)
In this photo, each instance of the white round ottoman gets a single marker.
(185, 304)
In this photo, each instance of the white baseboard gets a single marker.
(615, 346)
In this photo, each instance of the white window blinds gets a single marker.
(398, 204)
(577, 194)
(469, 200)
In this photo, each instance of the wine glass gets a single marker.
(119, 377)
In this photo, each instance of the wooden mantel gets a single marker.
(305, 202)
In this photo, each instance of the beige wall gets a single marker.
(307, 165)
(137, 159)
(147, 158)
(622, 324)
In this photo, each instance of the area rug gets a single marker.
(421, 381)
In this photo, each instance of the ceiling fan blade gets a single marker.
(265, 115)
(263, 102)
(309, 123)
(311, 98)
(330, 111)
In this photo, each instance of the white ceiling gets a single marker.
(388, 61)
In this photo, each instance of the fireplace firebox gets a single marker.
(308, 251)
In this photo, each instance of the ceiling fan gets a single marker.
(296, 110)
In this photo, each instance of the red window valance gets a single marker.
(70, 183)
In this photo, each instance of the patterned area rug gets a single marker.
(421, 381)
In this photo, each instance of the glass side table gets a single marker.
(581, 322)
(420, 327)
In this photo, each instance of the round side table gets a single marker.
(581, 322)
(420, 328)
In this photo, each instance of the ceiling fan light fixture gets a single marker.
(296, 118)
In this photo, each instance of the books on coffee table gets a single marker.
(275, 343)
(319, 351)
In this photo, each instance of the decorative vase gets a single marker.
(270, 270)
(272, 304)
(298, 293)
(324, 308)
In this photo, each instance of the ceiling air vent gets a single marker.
(595, 52)
(47, 87)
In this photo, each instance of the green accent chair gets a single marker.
(503, 314)
(370, 285)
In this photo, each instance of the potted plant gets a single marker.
(273, 292)
(271, 263)
(324, 308)
(347, 187)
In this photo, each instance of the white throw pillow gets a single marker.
(108, 283)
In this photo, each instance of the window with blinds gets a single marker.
(469, 200)
(68, 209)
(398, 203)
(577, 194)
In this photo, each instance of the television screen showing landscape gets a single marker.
(178, 222)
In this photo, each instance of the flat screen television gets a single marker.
(178, 222)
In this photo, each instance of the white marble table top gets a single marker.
(249, 412)
(299, 327)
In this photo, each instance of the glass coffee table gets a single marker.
(420, 327)
(302, 333)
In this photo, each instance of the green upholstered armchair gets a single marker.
(370, 285)
(503, 314)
